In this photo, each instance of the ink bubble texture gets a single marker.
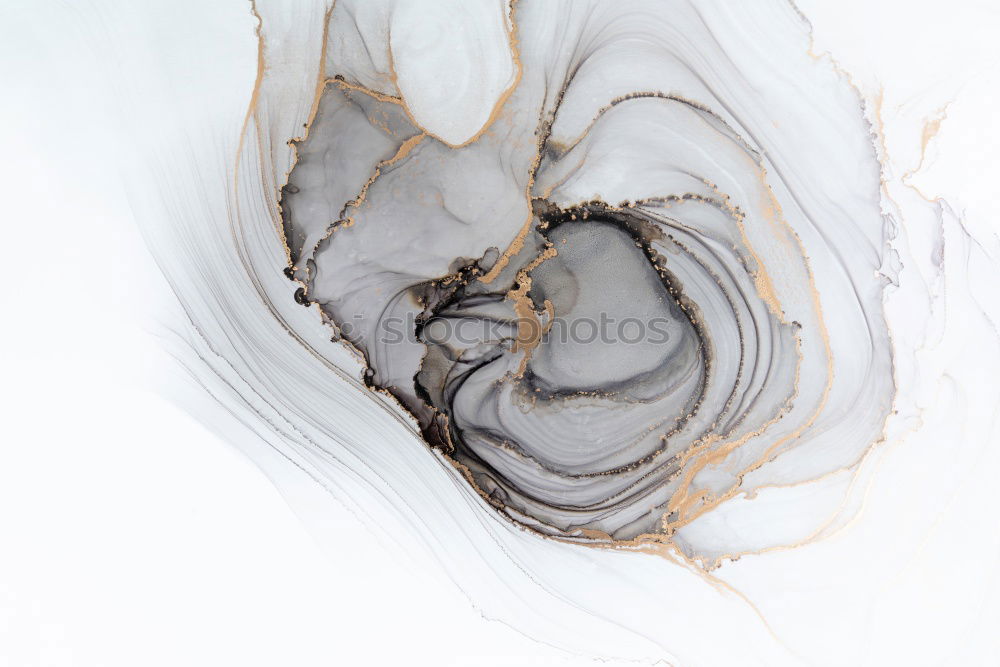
(427, 198)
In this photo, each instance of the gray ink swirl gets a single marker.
(632, 297)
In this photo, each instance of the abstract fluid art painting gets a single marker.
(633, 321)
